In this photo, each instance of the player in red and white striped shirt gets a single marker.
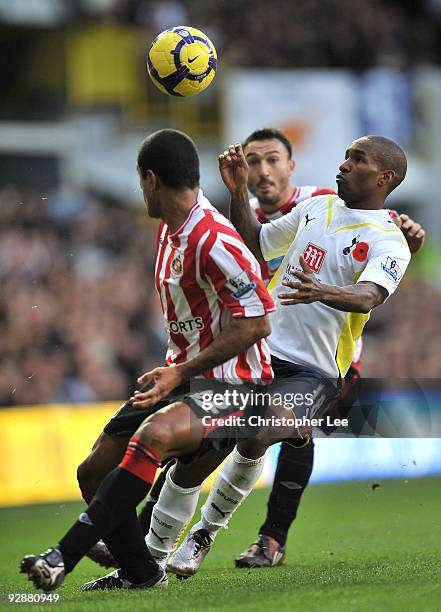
(215, 308)
(205, 277)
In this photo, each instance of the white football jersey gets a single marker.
(343, 246)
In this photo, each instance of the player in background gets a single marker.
(190, 554)
(269, 157)
(215, 307)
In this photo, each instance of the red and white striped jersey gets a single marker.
(205, 276)
(300, 193)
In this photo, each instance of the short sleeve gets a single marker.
(276, 237)
(387, 262)
(234, 274)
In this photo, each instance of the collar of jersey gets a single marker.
(284, 209)
(289, 204)
(369, 211)
(174, 238)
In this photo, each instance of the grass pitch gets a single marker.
(353, 547)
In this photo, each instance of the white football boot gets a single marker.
(188, 558)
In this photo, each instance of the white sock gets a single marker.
(174, 508)
(235, 481)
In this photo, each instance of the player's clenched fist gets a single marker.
(233, 168)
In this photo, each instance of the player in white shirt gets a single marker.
(343, 256)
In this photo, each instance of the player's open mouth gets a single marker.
(339, 178)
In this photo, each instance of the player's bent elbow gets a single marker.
(267, 328)
(262, 328)
(373, 296)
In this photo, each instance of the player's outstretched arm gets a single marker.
(233, 168)
(235, 338)
(361, 297)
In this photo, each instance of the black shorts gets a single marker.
(304, 390)
(128, 419)
(299, 400)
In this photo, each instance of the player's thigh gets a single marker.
(172, 431)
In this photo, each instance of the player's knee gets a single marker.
(86, 482)
(253, 448)
(157, 435)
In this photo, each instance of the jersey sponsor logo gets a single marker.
(392, 269)
(177, 265)
(183, 327)
(241, 286)
(314, 256)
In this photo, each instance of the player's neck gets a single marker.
(176, 208)
(367, 204)
(285, 197)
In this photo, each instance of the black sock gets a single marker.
(117, 496)
(145, 516)
(127, 545)
(293, 471)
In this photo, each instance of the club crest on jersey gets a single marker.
(241, 286)
(314, 256)
(348, 248)
(176, 265)
(359, 249)
(392, 269)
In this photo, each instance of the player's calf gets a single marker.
(233, 484)
(105, 455)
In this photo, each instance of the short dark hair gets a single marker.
(389, 156)
(172, 156)
(268, 133)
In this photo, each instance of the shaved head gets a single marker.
(389, 156)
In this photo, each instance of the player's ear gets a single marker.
(386, 178)
(152, 179)
(291, 166)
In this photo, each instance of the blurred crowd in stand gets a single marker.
(403, 338)
(301, 33)
(79, 317)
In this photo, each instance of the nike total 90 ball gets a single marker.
(182, 61)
